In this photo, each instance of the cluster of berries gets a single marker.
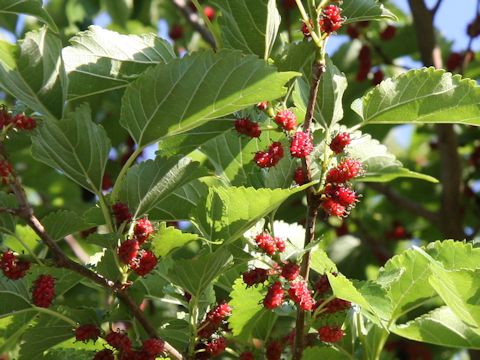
(284, 278)
(212, 343)
(141, 261)
(13, 267)
(19, 121)
(121, 343)
(338, 196)
(330, 21)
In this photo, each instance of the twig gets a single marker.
(405, 203)
(77, 249)
(313, 204)
(25, 212)
(195, 21)
(436, 7)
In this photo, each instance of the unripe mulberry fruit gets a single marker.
(275, 151)
(262, 106)
(341, 194)
(331, 19)
(119, 341)
(290, 271)
(246, 127)
(262, 159)
(24, 122)
(255, 276)
(105, 354)
(5, 170)
(286, 119)
(330, 334)
(209, 12)
(280, 244)
(145, 264)
(301, 295)
(345, 171)
(216, 346)
(301, 144)
(87, 332)
(305, 30)
(142, 230)
(333, 208)
(43, 291)
(128, 251)
(340, 142)
(274, 297)
(153, 347)
(266, 242)
(219, 313)
(12, 267)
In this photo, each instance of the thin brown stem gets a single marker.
(313, 205)
(436, 7)
(25, 212)
(195, 20)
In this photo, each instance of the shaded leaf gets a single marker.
(7, 221)
(365, 10)
(28, 7)
(315, 353)
(76, 146)
(61, 223)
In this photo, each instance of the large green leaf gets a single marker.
(7, 221)
(168, 238)
(76, 146)
(422, 96)
(152, 181)
(227, 212)
(61, 223)
(455, 255)
(440, 327)
(15, 296)
(195, 275)
(461, 292)
(330, 353)
(329, 108)
(33, 72)
(365, 10)
(210, 86)
(119, 10)
(101, 60)
(249, 317)
(27, 7)
(249, 25)
(380, 165)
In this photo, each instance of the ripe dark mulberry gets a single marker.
(12, 267)
(246, 355)
(145, 264)
(216, 346)
(24, 122)
(246, 127)
(340, 142)
(301, 295)
(271, 158)
(105, 354)
(255, 276)
(43, 291)
(299, 176)
(142, 230)
(219, 313)
(337, 305)
(388, 33)
(121, 212)
(87, 332)
(128, 251)
(322, 285)
(176, 32)
(119, 341)
(153, 347)
(286, 119)
(5, 170)
(378, 77)
(5, 117)
(290, 271)
(330, 334)
(274, 297)
(331, 19)
(301, 144)
(274, 350)
(345, 171)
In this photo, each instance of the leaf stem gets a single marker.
(123, 171)
(306, 20)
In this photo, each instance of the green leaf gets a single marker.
(181, 203)
(455, 255)
(330, 353)
(320, 262)
(365, 10)
(152, 181)
(329, 108)
(195, 275)
(166, 239)
(380, 165)
(61, 223)
(226, 213)
(440, 327)
(422, 96)
(33, 72)
(101, 60)
(249, 25)
(15, 296)
(46, 333)
(70, 354)
(176, 332)
(191, 140)
(119, 10)
(249, 317)
(227, 82)
(76, 146)
(460, 291)
(7, 221)
(27, 7)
